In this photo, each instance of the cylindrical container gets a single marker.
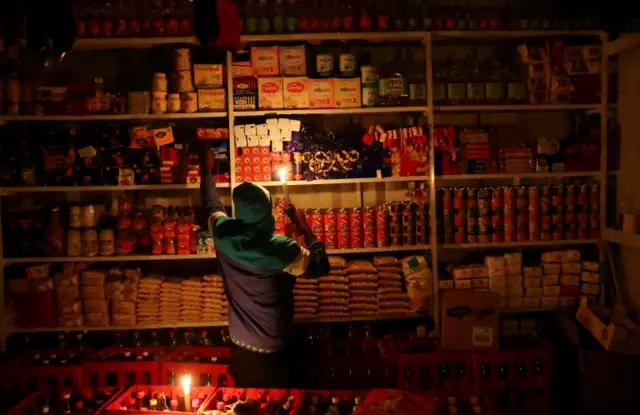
(182, 59)
(159, 83)
(370, 95)
(159, 103)
(315, 219)
(534, 213)
(173, 103)
(355, 225)
(347, 63)
(509, 195)
(497, 214)
(169, 247)
(74, 242)
(330, 229)
(473, 214)
(107, 242)
(324, 64)
(369, 227)
(343, 220)
(570, 212)
(138, 102)
(557, 213)
(369, 75)
(157, 247)
(89, 242)
(484, 220)
(88, 216)
(189, 102)
(75, 217)
(185, 81)
(459, 213)
(522, 215)
(382, 227)
(344, 239)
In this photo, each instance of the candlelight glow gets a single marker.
(186, 383)
(283, 175)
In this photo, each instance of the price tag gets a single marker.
(238, 130)
(285, 135)
(264, 140)
(250, 129)
(253, 141)
(262, 129)
(276, 145)
(283, 123)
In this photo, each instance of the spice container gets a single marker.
(189, 102)
(88, 218)
(74, 243)
(75, 217)
(173, 103)
(89, 242)
(107, 238)
(159, 103)
(185, 81)
(182, 59)
(159, 82)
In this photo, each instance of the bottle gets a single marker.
(171, 379)
(291, 19)
(365, 16)
(476, 93)
(522, 392)
(439, 81)
(516, 89)
(278, 17)
(66, 403)
(137, 342)
(187, 337)
(173, 341)
(118, 342)
(503, 387)
(55, 235)
(264, 23)
(494, 85)
(456, 88)
(417, 79)
(397, 18)
(204, 338)
(382, 16)
(154, 341)
(349, 17)
(162, 403)
(250, 17)
(539, 389)
(392, 85)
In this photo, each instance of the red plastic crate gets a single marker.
(114, 407)
(35, 309)
(198, 370)
(358, 372)
(26, 377)
(99, 371)
(26, 403)
(531, 392)
(438, 371)
(263, 396)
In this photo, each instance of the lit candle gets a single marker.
(283, 180)
(186, 388)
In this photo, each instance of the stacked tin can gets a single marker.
(484, 215)
(522, 214)
(545, 210)
(594, 211)
(445, 225)
(422, 223)
(330, 228)
(582, 212)
(369, 81)
(473, 215)
(570, 223)
(509, 194)
(382, 226)
(279, 216)
(497, 214)
(344, 229)
(459, 216)
(557, 213)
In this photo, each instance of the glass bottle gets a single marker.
(264, 23)
(291, 20)
(522, 392)
(417, 79)
(55, 235)
(397, 11)
(250, 18)
(392, 84)
(476, 93)
(503, 387)
(382, 16)
(278, 21)
(494, 85)
(439, 81)
(365, 23)
(456, 88)
(348, 16)
(28, 165)
(414, 20)
(516, 88)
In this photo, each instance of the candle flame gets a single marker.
(283, 175)
(186, 383)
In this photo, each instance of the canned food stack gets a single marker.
(82, 238)
(170, 300)
(96, 306)
(214, 301)
(363, 288)
(183, 79)
(333, 291)
(159, 89)
(147, 304)
(497, 277)
(392, 299)
(67, 286)
(190, 310)
(369, 82)
(305, 298)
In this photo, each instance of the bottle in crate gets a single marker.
(503, 395)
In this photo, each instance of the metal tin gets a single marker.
(75, 217)
(189, 102)
(324, 64)
(182, 59)
(347, 63)
(74, 242)
(369, 95)
(343, 220)
(88, 217)
(344, 239)
(369, 75)
(90, 242)
(185, 81)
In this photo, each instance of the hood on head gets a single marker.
(253, 206)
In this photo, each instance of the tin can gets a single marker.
(173, 103)
(509, 194)
(484, 226)
(582, 199)
(185, 81)
(107, 242)
(594, 198)
(484, 201)
(369, 237)
(369, 96)
(189, 102)
(344, 239)
(422, 234)
(89, 242)
(343, 220)
(473, 214)
(324, 64)
(570, 210)
(395, 240)
(157, 247)
(330, 224)
(497, 214)
(182, 59)
(74, 242)
(347, 63)
(75, 217)
(88, 217)
(169, 247)
(355, 226)
(369, 75)
(447, 201)
(594, 225)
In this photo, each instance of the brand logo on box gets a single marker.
(270, 87)
(295, 87)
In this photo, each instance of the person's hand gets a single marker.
(295, 215)
(207, 158)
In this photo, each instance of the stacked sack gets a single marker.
(214, 301)
(121, 289)
(67, 288)
(190, 310)
(332, 296)
(147, 299)
(170, 299)
(363, 288)
(95, 304)
(418, 280)
(305, 298)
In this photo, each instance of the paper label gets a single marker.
(253, 141)
(482, 336)
(264, 140)
(276, 145)
(456, 91)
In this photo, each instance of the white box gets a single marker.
(568, 279)
(532, 271)
(497, 272)
(497, 282)
(590, 266)
(270, 94)
(534, 282)
(551, 291)
(551, 279)
(293, 60)
(591, 277)
(462, 273)
(533, 292)
(514, 258)
(479, 271)
(208, 75)
(296, 93)
(495, 262)
(514, 270)
(212, 100)
(515, 281)
(347, 92)
(480, 282)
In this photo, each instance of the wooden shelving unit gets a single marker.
(631, 240)
(427, 40)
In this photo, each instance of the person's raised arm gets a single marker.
(213, 204)
(318, 263)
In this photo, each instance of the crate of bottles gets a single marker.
(53, 369)
(438, 371)
(266, 401)
(84, 400)
(160, 398)
(208, 365)
(321, 401)
(123, 366)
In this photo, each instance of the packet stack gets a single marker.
(148, 299)
(305, 298)
(567, 266)
(170, 298)
(363, 288)
(67, 286)
(497, 277)
(190, 308)
(95, 304)
(214, 307)
(333, 291)
(418, 281)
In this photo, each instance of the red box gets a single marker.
(123, 399)
(246, 161)
(265, 161)
(285, 156)
(259, 395)
(266, 177)
(26, 377)
(257, 178)
(266, 170)
(420, 371)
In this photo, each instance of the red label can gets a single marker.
(369, 237)
(343, 220)
(344, 239)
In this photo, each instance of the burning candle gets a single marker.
(283, 180)
(186, 388)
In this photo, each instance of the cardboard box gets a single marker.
(532, 271)
(502, 291)
(618, 333)
(241, 70)
(463, 284)
(347, 93)
(480, 282)
(470, 320)
(551, 291)
(549, 302)
(495, 262)
(514, 258)
(590, 266)
(549, 268)
(514, 270)
(529, 302)
(532, 282)
(445, 284)
(515, 302)
(270, 94)
(573, 280)
(293, 60)
(515, 291)
(497, 282)
(96, 306)
(566, 301)
(207, 75)
(462, 273)
(265, 61)
(321, 93)
(212, 100)
(533, 292)
(551, 279)
(497, 272)
(591, 277)
(515, 281)
(589, 289)
(296, 94)
(571, 267)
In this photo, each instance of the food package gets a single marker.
(514, 258)
(96, 319)
(515, 291)
(551, 279)
(566, 301)
(530, 302)
(515, 302)
(360, 267)
(551, 291)
(296, 94)
(270, 93)
(590, 266)
(589, 289)
(515, 281)
(418, 291)
(337, 262)
(532, 271)
(494, 262)
(462, 284)
(73, 307)
(61, 278)
(38, 271)
(590, 277)
(571, 267)
(123, 307)
(549, 302)
(411, 264)
(265, 61)
(480, 283)
(93, 277)
(514, 270)
(293, 60)
(497, 282)
(208, 75)
(569, 255)
(126, 320)
(532, 281)
(385, 260)
(571, 280)
(41, 284)
(355, 278)
(67, 293)
(549, 268)
(96, 306)
(92, 292)
(71, 320)
(210, 100)
(533, 292)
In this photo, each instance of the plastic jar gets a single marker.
(173, 103)
(160, 83)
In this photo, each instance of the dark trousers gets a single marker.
(262, 370)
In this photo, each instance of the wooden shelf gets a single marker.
(331, 111)
(214, 324)
(502, 245)
(4, 191)
(510, 108)
(132, 43)
(623, 43)
(511, 34)
(513, 176)
(378, 250)
(631, 240)
(527, 310)
(113, 117)
(115, 258)
(365, 180)
(337, 36)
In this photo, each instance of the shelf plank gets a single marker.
(527, 310)
(622, 44)
(330, 111)
(378, 250)
(107, 188)
(114, 117)
(115, 258)
(511, 34)
(615, 236)
(132, 43)
(364, 180)
(215, 324)
(501, 176)
(337, 36)
(499, 245)
(509, 108)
